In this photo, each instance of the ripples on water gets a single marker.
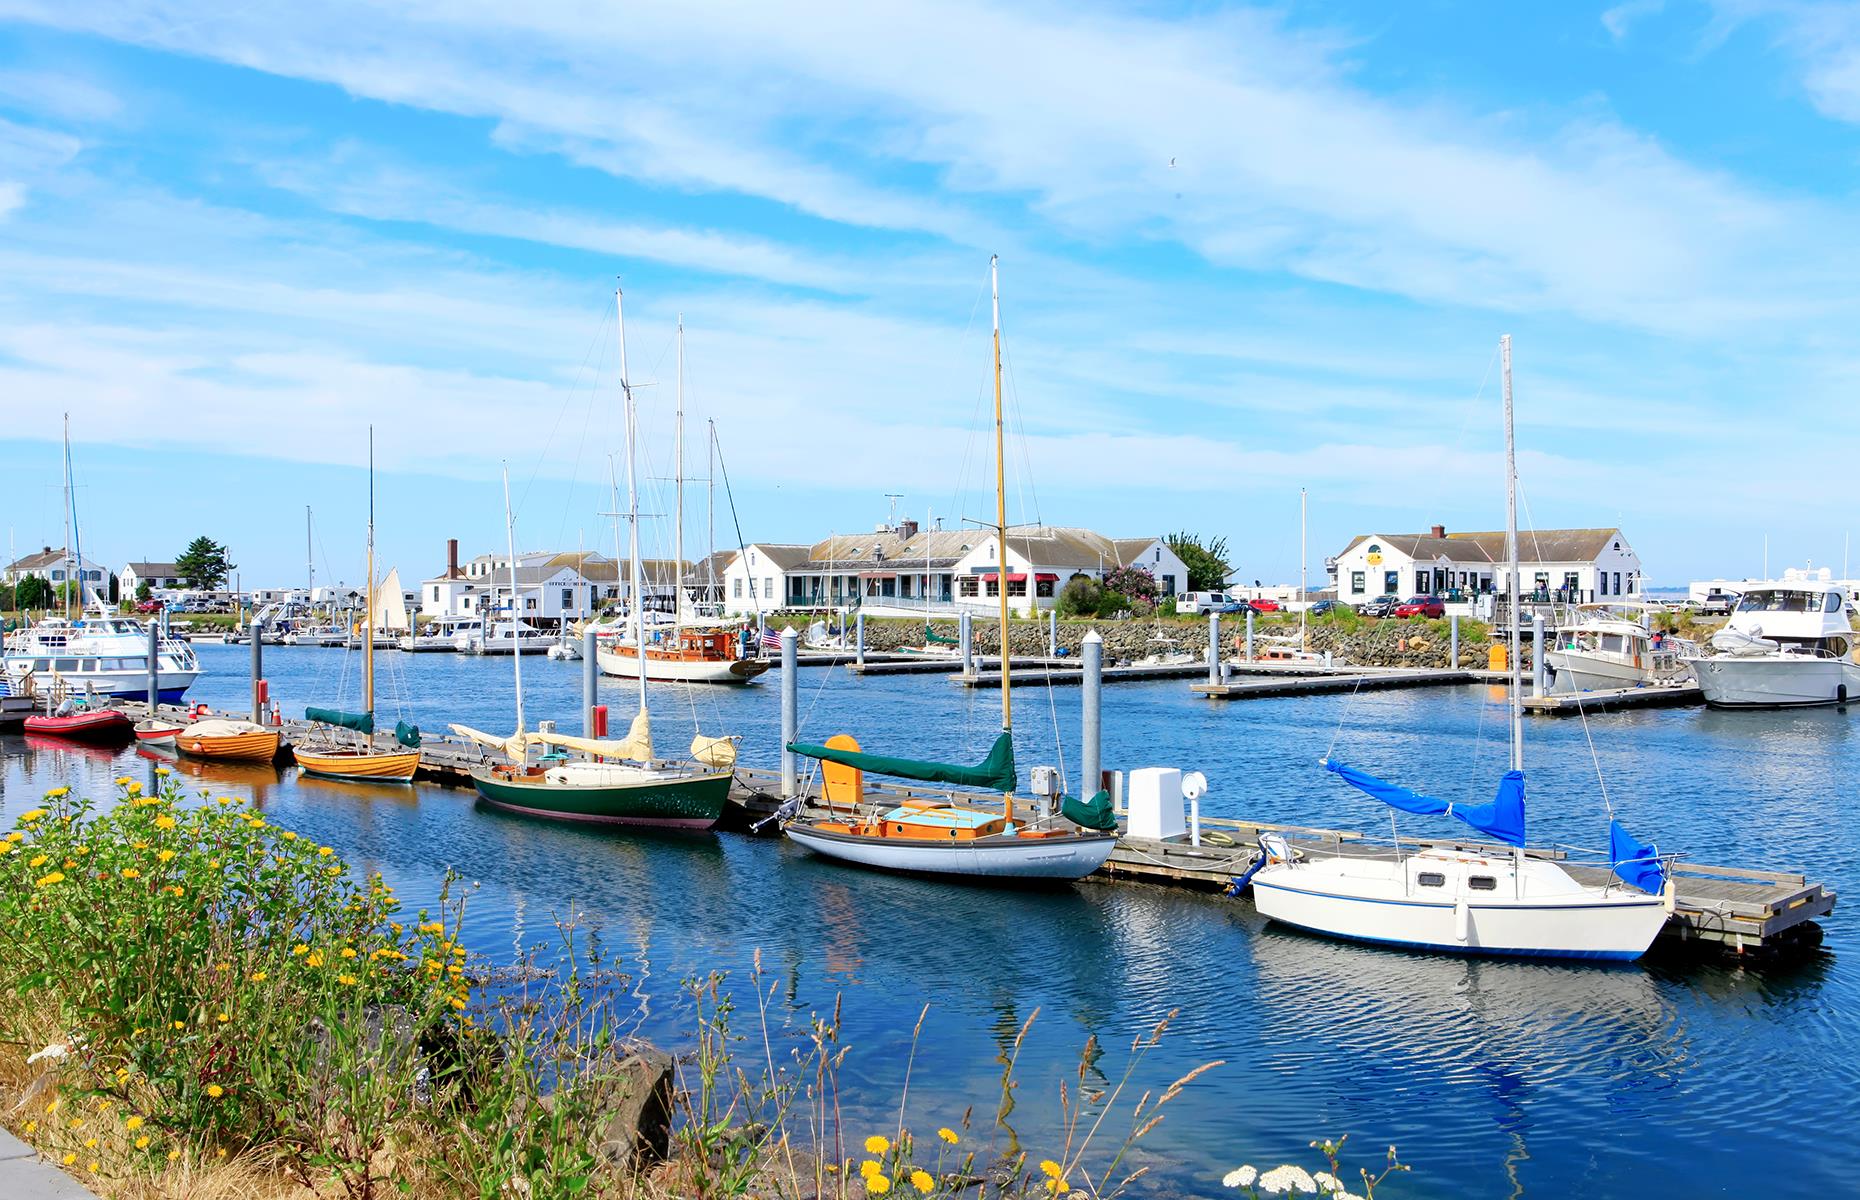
(1493, 1077)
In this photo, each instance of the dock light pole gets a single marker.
(790, 710)
(1214, 647)
(154, 666)
(258, 675)
(590, 678)
(1092, 715)
(859, 643)
(965, 633)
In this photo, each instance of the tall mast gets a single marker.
(368, 622)
(70, 504)
(678, 484)
(1511, 556)
(309, 554)
(1001, 575)
(632, 507)
(516, 646)
(711, 588)
(1304, 565)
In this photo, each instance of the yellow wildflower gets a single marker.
(135, 789)
(131, 873)
(15, 836)
(54, 877)
(315, 958)
(348, 952)
(53, 1106)
(215, 1090)
(290, 836)
(920, 1179)
(32, 1126)
(1058, 1187)
(333, 872)
(877, 1144)
(178, 890)
(163, 771)
(39, 860)
(180, 1024)
(124, 781)
(91, 1166)
(222, 966)
(877, 1185)
(57, 793)
(258, 977)
(300, 948)
(948, 1135)
(164, 822)
(458, 1002)
(6, 847)
(325, 851)
(870, 1167)
(90, 1143)
(1049, 1168)
(223, 1018)
(133, 1124)
(142, 1143)
(164, 855)
(346, 980)
(223, 801)
(174, 1154)
(68, 1159)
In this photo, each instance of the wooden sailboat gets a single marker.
(967, 837)
(617, 782)
(1469, 899)
(362, 760)
(683, 653)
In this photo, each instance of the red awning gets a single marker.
(1043, 577)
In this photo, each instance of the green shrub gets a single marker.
(1081, 597)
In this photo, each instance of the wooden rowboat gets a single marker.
(156, 733)
(101, 725)
(220, 739)
(344, 762)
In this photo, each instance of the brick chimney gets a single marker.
(1440, 532)
(907, 529)
(452, 558)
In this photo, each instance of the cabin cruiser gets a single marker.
(505, 637)
(101, 654)
(1606, 646)
(442, 635)
(318, 635)
(1788, 643)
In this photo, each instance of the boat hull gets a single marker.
(694, 802)
(1775, 681)
(105, 726)
(999, 858)
(1592, 673)
(257, 746)
(361, 765)
(626, 665)
(1618, 929)
(156, 733)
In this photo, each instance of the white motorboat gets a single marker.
(101, 654)
(318, 635)
(1468, 900)
(1603, 647)
(1789, 643)
(505, 637)
(439, 637)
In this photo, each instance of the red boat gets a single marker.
(102, 725)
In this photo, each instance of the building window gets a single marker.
(1617, 583)
(994, 585)
(970, 587)
(1168, 586)
(738, 589)
(568, 597)
(1356, 583)
(1391, 582)
(1044, 587)
(58, 574)
(1017, 587)
(768, 586)
(1572, 583)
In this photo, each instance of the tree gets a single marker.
(1080, 597)
(1206, 562)
(204, 564)
(144, 592)
(1132, 588)
(32, 592)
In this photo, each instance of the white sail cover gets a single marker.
(515, 746)
(221, 727)
(714, 752)
(390, 613)
(637, 745)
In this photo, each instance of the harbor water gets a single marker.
(1514, 1078)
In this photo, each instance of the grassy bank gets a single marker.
(195, 1002)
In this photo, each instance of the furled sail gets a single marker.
(1503, 818)
(390, 612)
(714, 752)
(637, 745)
(359, 722)
(995, 772)
(515, 746)
(1635, 862)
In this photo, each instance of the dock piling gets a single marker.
(1214, 647)
(590, 679)
(155, 665)
(1537, 654)
(1052, 633)
(1091, 714)
(1453, 641)
(1249, 634)
(965, 633)
(859, 646)
(790, 710)
(258, 674)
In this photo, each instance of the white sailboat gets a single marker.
(1469, 900)
(958, 836)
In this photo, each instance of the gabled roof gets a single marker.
(710, 568)
(146, 570)
(43, 558)
(1488, 547)
(785, 555)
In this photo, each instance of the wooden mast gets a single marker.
(368, 621)
(1001, 574)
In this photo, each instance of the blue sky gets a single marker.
(1245, 250)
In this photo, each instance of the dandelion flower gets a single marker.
(870, 1167)
(133, 1124)
(32, 1126)
(124, 781)
(164, 856)
(948, 1135)
(458, 1002)
(300, 949)
(290, 835)
(223, 801)
(877, 1185)
(1049, 1168)
(259, 976)
(223, 1018)
(1288, 1178)
(15, 836)
(178, 890)
(57, 793)
(135, 789)
(163, 771)
(54, 877)
(68, 1159)
(164, 822)
(348, 952)
(6, 847)
(1240, 1177)
(90, 1143)
(325, 851)
(314, 958)
(174, 1154)
(39, 860)
(142, 1143)
(1057, 1187)
(877, 1144)
(215, 1090)
(346, 980)
(920, 1179)
(180, 1024)
(131, 873)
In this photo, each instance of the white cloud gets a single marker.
(62, 94)
(1620, 19)
(1824, 38)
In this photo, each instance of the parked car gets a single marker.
(1381, 606)
(1322, 607)
(1717, 604)
(1190, 603)
(1420, 606)
(1263, 606)
(149, 606)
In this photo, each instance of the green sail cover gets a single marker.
(933, 638)
(995, 772)
(407, 735)
(359, 722)
(1094, 813)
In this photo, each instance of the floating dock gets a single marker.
(1568, 704)
(1322, 682)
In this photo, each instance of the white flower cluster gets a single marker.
(1288, 1178)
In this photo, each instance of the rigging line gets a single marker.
(1594, 758)
(1471, 408)
(585, 440)
(982, 391)
(542, 452)
(1023, 484)
(1342, 716)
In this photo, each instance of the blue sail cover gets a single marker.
(1635, 861)
(1502, 819)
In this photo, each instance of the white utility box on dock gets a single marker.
(1155, 799)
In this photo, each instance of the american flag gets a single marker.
(771, 638)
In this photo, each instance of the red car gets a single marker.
(1264, 606)
(154, 606)
(1421, 606)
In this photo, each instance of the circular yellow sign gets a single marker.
(1375, 560)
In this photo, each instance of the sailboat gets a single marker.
(678, 652)
(1469, 899)
(967, 838)
(335, 759)
(618, 782)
